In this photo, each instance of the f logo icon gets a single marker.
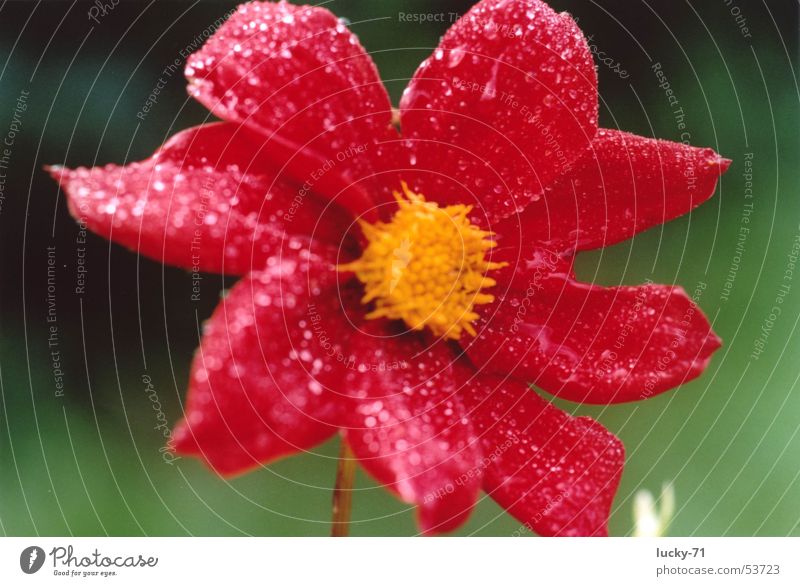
(31, 559)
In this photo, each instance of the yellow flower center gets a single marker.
(427, 266)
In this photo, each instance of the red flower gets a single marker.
(420, 347)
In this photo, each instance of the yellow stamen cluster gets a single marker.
(427, 266)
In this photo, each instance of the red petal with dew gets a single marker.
(259, 382)
(408, 426)
(555, 473)
(503, 107)
(203, 202)
(594, 344)
(625, 184)
(299, 77)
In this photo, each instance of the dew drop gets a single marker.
(455, 57)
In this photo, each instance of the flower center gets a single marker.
(427, 266)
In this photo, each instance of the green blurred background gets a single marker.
(88, 462)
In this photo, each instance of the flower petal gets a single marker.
(256, 390)
(555, 473)
(527, 266)
(594, 344)
(624, 185)
(299, 77)
(502, 108)
(407, 426)
(203, 202)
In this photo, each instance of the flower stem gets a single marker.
(343, 492)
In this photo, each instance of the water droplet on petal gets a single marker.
(455, 57)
